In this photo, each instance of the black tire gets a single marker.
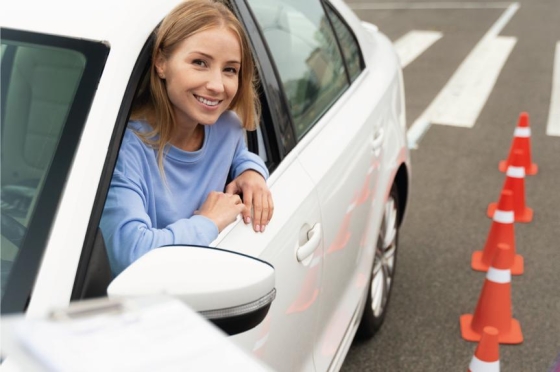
(383, 270)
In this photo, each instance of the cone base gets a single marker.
(513, 336)
(477, 265)
(529, 171)
(526, 216)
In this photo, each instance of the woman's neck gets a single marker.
(188, 139)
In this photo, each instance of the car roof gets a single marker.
(115, 22)
(111, 21)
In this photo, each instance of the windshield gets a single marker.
(48, 84)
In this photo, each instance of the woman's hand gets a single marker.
(221, 208)
(256, 197)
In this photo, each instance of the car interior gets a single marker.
(38, 86)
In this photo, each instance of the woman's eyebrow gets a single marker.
(212, 58)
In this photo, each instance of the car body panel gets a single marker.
(297, 283)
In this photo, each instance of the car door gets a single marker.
(293, 244)
(339, 136)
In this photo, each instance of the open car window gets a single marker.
(93, 274)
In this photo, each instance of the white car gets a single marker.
(332, 135)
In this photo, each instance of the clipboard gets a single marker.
(156, 333)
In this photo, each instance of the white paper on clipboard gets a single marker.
(149, 334)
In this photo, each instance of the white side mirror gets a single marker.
(232, 290)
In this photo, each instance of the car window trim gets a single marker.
(333, 29)
(26, 267)
(139, 70)
(341, 18)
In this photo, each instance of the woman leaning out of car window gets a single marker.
(185, 138)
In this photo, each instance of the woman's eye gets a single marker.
(231, 70)
(199, 62)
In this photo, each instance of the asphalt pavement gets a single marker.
(455, 176)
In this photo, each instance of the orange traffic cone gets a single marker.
(494, 304)
(521, 141)
(501, 231)
(515, 181)
(486, 357)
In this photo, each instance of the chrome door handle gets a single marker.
(377, 138)
(314, 239)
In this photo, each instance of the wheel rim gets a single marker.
(384, 264)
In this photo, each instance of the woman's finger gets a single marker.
(248, 201)
(257, 212)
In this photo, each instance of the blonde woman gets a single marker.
(185, 138)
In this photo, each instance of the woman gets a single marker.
(185, 137)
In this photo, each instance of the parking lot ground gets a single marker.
(455, 177)
(434, 284)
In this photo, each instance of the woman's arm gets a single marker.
(128, 230)
(249, 175)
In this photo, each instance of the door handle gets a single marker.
(377, 138)
(314, 238)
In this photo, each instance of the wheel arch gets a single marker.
(401, 182)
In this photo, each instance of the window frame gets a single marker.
(327, 4)
(278, 126)
(265, 48)
(26, 266)
(140, 68)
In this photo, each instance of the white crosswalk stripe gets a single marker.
(414, 43)
(459, 103)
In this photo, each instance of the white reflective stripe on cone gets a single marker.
(478, 365)
(523, 132)
(515, 172)
(503, 216)
(498, 275)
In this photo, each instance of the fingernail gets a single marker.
(247, 220)
(263, 227)
(258, 228)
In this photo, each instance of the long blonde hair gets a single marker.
(185, 20)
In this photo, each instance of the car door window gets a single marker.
(47, 86)
(306, 54)
(349, 45)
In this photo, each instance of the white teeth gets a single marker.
(207, 102)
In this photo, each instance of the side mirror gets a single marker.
(232, 290)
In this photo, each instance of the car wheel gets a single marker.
(383, 269)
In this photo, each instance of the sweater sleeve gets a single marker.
(243, 160)
(128, 230)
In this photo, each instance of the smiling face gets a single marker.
(202, 76)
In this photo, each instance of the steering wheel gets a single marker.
(12, 229)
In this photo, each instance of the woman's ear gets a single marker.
(160, 66)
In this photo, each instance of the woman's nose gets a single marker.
(215, 82)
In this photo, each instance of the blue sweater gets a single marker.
(143, 211)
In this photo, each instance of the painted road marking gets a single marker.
(462, 99)
(459, 103)
(553, 126)
(414, 43)
(429, 5)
